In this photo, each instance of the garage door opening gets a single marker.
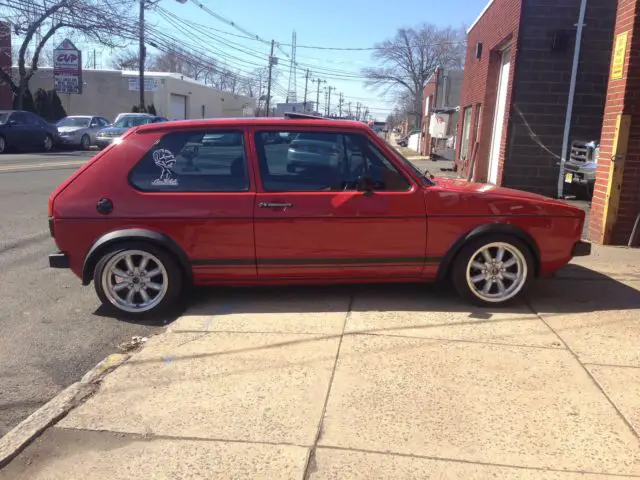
(178, 107)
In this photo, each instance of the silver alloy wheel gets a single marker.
(3, 144)
(135, 281)
(496, 272)
(85, 142)
(48, 143)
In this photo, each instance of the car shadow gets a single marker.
(574, 289)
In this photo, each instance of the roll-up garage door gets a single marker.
(178, 107)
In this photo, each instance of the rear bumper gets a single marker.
(581, 249)
(58, 260)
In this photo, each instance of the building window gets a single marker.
(466, 130)
(207, 161)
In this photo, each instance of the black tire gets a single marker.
(175, 284)
(3, 145)
(85, 142)
(464, 257)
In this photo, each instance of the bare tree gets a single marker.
(408, 60)
(37, 21)
(129, 60)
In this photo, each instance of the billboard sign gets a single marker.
(150, 84)
(67, 68)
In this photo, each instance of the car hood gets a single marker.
(460, 197)
(70, 129)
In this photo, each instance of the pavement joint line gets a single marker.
(613, 365)
(18, 438)
(456, 340)
(311, 466)
(186, 438)
(472, 462)
(589, 374)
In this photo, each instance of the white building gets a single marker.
(109, 92)
(301, 107)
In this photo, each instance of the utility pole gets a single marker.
(319, 81)
(306, 85)
(272, 61)
(349, 110)
(94, 60)
(329, 101)
(340, 102)
(142, 54)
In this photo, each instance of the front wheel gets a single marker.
(85, 142)
(48, 143)
(138, 280)
(493, 270)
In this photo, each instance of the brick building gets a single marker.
(615, 211)
(515, 94)
(441, 94)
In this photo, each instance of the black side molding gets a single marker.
(581, 249)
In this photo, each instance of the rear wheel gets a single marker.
(3, 145)
(493, 270)
(138, 280)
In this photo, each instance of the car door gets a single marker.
(203, 196)
(35, 130)
(322, 212)
(17, 131)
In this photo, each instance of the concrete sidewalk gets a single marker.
(382, 382)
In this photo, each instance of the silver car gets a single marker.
(80, 130)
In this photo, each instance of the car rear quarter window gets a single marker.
(203, 161)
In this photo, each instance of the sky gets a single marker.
(356, 24)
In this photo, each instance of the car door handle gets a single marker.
(275, 205)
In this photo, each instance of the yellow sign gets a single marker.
(619, 54)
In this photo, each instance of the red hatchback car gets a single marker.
(292, 200)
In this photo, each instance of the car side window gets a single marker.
(31, 120)
(103, 122)
(18, 118)
(95, 122)
(323, 161)
(194, 162)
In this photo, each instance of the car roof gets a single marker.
(81, 116)
(255, 121)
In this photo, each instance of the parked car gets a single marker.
(80, 130)
(157, 212)
(22, 130)
(313, 150)
(130, 114)
(108, 135)
(580, 168)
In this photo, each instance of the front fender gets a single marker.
(489, 229)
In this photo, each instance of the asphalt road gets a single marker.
(51, 328)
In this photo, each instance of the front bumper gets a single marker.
(58, 260)
(577, 174)
(105, 141)
(581, 249)
(68, 141)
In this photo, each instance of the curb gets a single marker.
(56, 408)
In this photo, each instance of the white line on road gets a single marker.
(38, 166)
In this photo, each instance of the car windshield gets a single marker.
(74, 122)
(129, 122)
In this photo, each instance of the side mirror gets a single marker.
(11, 123)
(365, 184)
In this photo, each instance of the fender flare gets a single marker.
(132, 235)
(489, 229)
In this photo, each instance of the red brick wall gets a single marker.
(498, 26)
(6, 99)
(623, 97)
(430, 90)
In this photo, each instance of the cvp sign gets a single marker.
(67, 68)
(68, 58)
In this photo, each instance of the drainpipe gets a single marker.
(572, 94)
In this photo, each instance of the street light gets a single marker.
(143, 51)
